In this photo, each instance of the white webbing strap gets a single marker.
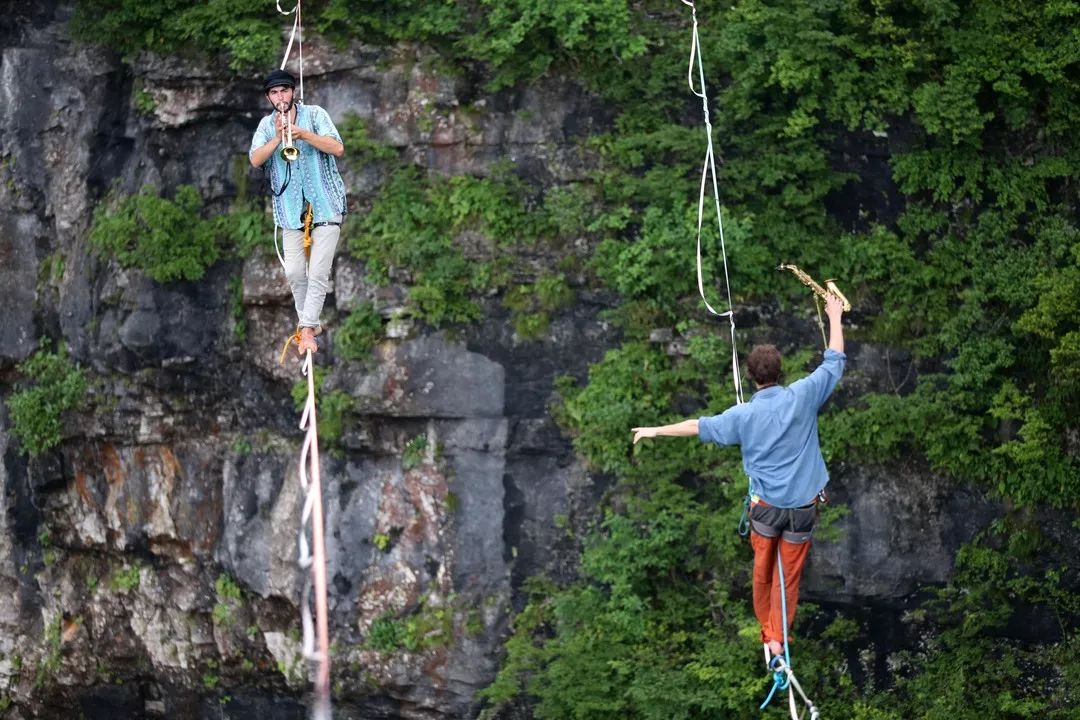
(313, 555)
(709, 170)
(298, 36)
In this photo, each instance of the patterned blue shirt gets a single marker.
(778, 433)
(313, 177)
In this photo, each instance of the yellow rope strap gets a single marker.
(308, 217)
(294, 338)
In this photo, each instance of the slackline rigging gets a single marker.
(783, 676)
(709, 170)
(311, 553)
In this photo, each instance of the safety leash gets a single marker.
(744, 520)
(783, 676)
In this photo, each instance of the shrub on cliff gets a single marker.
(167, 239)
(248, 30)
(36, 411)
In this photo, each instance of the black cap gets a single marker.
(278, 78)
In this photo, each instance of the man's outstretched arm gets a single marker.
(686, 428)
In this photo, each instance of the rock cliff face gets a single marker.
(148, 563)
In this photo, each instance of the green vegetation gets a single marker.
(36, 411)
(126, 579)
(425, 629)
(363, 150)
(230, 596)
(332, 408)
(165, 238)
(386, 634)
(454, 239)
(359, 332)
(518, 39)
(246, 30)
(170, 240)
(143, 101)
(975, 273)
(52, 655)
(532, 304)
(413, 454)
(956, 237)
(411, 229)
(212, 676)
(48, 550)
(381, 541)
(236, 308)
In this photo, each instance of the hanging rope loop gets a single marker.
(298, 36)
(708, 171)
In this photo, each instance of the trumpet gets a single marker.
(289, 152)
(823, 292)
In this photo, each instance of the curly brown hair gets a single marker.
(764, 364)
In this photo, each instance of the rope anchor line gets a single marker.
(709, 170)
(313, 554)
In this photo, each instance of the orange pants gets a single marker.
(767, 601)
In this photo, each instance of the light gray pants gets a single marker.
(309, 278)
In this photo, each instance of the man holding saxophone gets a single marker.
(778, 435)
(304, 181)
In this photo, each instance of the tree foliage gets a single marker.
(923, 152)
(969, 262)
(248, 31)
(171, 240)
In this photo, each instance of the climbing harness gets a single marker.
(707, 170)
(783, 676)
(744, 519)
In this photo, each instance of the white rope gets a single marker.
(313, 555)
(278, 250)
(297, 30)
(793, 686)
(709, 168)
(298, 35)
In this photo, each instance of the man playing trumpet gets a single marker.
(778, 434)
(304, 174)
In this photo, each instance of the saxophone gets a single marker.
(829, 289)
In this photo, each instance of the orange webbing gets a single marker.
(308, 216)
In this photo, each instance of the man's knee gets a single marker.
(296, 275)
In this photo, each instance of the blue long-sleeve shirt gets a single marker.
(778, 434)
(313, 177)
